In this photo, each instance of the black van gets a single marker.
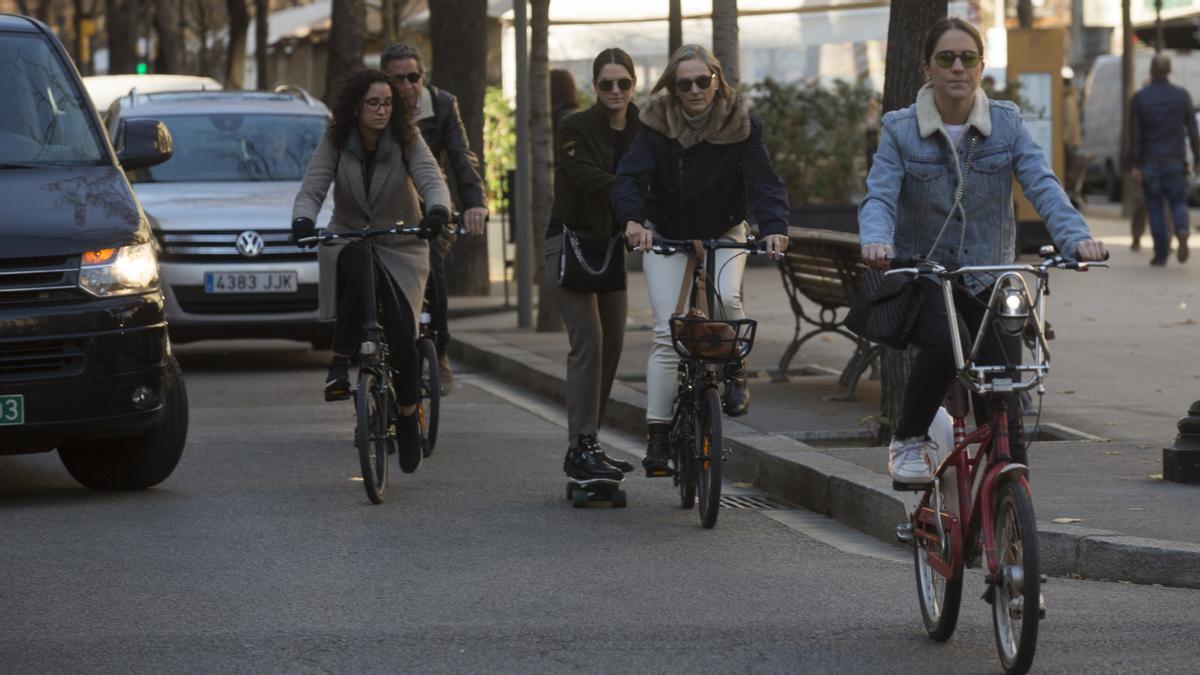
(85, 363)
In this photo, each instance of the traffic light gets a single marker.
(142, 69)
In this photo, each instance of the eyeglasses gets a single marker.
(377, 103)
(946, 59)
(684, 85)
(607, 85)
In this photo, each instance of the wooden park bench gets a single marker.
(825, 268)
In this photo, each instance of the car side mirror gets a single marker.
(144, 143)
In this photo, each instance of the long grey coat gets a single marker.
(393, 198)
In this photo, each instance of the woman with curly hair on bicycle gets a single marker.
(381, 171)
(941, 186)
(693, 169)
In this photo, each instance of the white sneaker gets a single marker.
(909, 463)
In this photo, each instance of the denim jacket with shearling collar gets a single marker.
(916, 172)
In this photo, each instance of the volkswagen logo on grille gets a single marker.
(249, 243)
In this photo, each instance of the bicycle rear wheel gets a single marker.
(371, 434)
(429, 395)
(939, 597)
(681, 455)
(1017, 594)
(709, 444)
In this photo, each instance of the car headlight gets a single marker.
(119, 271)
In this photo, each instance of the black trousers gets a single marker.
(934, 370)
(395, 315)
(435, 298)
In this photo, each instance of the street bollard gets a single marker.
(1181, 464)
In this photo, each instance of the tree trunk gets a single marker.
(120, 24)
(262, 18)
(170, 37)
(542, 155)
(235, 54)
(459, 66)
(903, 77)
(345, 41)
(674, 27)
(1025, 13)
(725, 38)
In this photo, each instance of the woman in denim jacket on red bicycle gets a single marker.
(953, 130)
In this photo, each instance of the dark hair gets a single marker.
(613, 55)
(348, 98)
(562, 89)
(945, 25)
(398, 52)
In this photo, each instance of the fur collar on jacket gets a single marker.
(728, 123)
(929, 120)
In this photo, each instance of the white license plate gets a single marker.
(12, 410)
(251, 282)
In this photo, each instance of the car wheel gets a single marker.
(140, 462)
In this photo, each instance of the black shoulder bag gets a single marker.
(886, 307)
(584, 266)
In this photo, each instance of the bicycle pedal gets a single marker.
(659, 473)
(904, 533)
(908, 487)
(337, 395)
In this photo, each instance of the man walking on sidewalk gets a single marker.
(1161, 112)
(436, 116)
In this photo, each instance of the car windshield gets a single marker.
(43, 116)
(232, 147)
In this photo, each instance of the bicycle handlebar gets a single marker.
(916, 265)
(664, 246)
(414, 230)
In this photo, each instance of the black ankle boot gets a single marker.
(658, 450)
(736, 401)
(585, 462)
(337, 382)
(589, 441)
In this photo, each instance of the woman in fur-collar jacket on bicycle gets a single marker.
(381, 170)
(941, 186)
(692, 170)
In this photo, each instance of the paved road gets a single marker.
(261, 554)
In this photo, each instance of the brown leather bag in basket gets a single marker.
(694, 332)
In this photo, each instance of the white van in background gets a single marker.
(1102, 109)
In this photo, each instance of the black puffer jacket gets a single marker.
(700, 190)
(588, 151)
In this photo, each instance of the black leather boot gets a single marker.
(585, 462)
(736, 401)
(589, 442)
(658, 451)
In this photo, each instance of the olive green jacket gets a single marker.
(588, 152)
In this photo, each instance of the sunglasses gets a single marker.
(411, 77)
(606, 85)
(376, 103)
(684, 85)
(946, 59)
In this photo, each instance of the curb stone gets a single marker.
(798, 473)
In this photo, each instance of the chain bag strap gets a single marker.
(583, 269)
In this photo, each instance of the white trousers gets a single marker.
(664, 279)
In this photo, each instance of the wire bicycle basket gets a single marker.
(695, 336)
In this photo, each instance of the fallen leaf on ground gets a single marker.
(1155, 476)
(1112, 453)
(743, 485)
(1068, 391)
(1135, 508)
(1066, 521)
(1143, 447)
(1110, 424)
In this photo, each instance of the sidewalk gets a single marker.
(1120, 378)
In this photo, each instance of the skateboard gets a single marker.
(581, 492)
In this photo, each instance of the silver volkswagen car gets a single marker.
(221, 210)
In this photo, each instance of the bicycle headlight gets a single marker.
(119, 271)
(1013, 311)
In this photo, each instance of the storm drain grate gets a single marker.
(748, 502)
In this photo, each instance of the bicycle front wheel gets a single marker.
(1016, 595)
(429, 395)
(709, 444)
(371, 434)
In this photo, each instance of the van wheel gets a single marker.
(135, 463)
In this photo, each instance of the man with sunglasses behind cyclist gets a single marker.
(436, 115)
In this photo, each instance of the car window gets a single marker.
(229, 147)
(43, 116)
